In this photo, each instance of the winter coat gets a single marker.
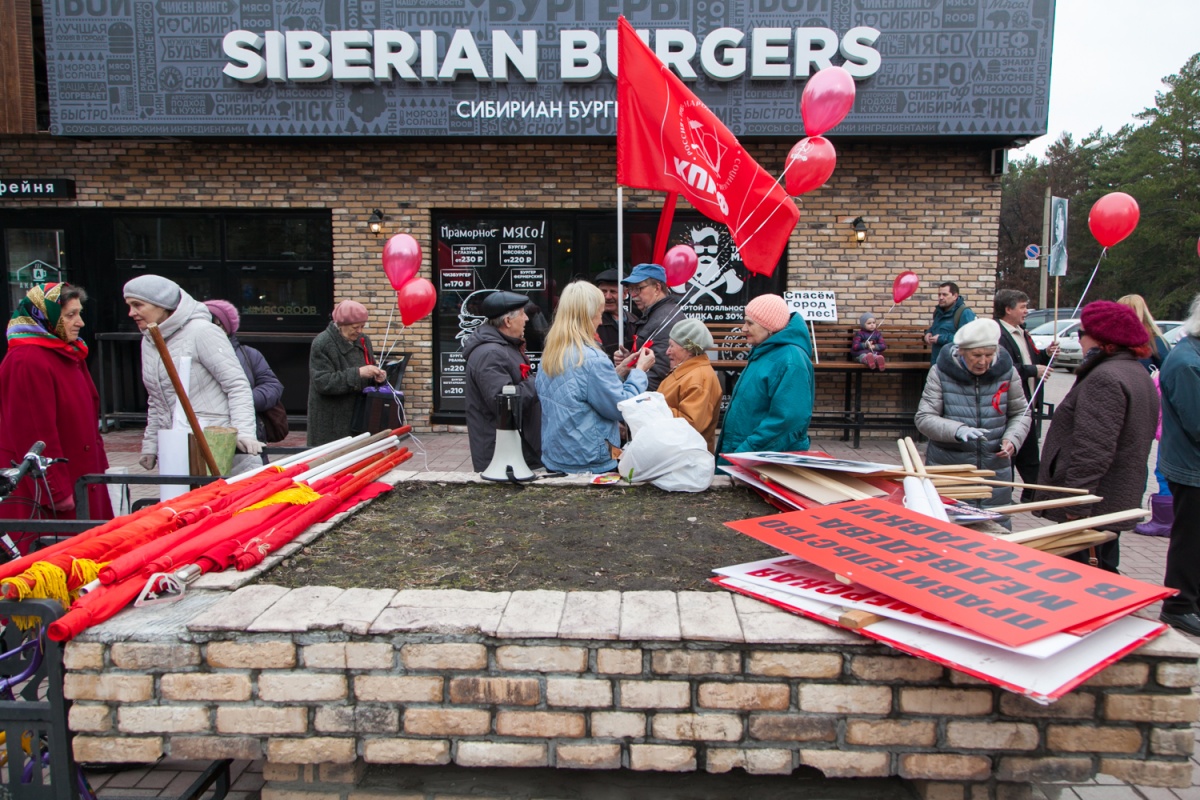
(579, 412)
(773, 400)
(1179, 380)
(1100, 437)
(656, 326)
(858, 346)
(47, 395)
(264, 385)
(954, 397)
(1028, 372)
(494, 361)
(334, 384)
(946, 323)
(693, 392)
(217, 388)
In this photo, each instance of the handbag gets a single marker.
(375, 410)
(275, 423)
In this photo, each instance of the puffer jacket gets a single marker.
(264, 385)
(773, 399)
(994, 401)
(334, 384)
(1100, 437)
(217, 386)
(1179, 380)
(579, 412)
(493, 362)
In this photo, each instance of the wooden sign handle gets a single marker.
(181, 393)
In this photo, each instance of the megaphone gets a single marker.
(508, 462)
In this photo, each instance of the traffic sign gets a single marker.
(1032, 263)
(1033, 251)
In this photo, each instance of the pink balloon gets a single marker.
(416, 299)
(1198, 247)
(810, 162)
(905, 286)
(1113, 217)
(401, 259)
(680, 263)
(826, 100)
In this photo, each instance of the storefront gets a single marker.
(242, 149)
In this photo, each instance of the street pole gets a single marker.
(1042, 284)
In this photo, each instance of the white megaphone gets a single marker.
(508, 462)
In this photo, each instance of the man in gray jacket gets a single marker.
(494, 360)
(647, 284)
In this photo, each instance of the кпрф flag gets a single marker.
(667, 140)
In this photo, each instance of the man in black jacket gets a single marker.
(658, 312)
(1009, 308)
(495, 360)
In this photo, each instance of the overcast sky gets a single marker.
(1110, 57)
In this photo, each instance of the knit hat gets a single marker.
(349, 312)
(863, 317)
(1113, 323)
(224, 314)
(769, 310)
(691, 335)
(154, 289)
(978, 333)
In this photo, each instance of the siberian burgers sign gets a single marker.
(535, 67)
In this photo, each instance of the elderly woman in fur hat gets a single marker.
(1100, 436)
(692, 389)
(340, 365)
(973, 406)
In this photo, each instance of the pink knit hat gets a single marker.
(349, 312)
(769, 310)
(224, 314)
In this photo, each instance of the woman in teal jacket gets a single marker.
(772, 402)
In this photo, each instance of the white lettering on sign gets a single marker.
(359, 56)
(813, 306)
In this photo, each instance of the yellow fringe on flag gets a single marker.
(298, 494)
(83, 572)
(50, 583)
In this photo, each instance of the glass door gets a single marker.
(33, 255)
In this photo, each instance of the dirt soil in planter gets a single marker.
(500, 537)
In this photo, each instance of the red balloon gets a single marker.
(826, 100)
(401, 259)
(1198, 247)
(810, 162)
(1113, 217)
(680, 263)
(416, 299)
(905, 286)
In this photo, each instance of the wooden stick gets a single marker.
(965, 469)
(905, 459)
(990, 482)
(181, 393)
(1088, 536)
(1077, 525)
(832, 484)
(1038, 505)
(915, 454)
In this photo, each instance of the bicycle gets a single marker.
(33, 466)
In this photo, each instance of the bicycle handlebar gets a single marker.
(11, 477)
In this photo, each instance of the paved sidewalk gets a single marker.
(1142, 557)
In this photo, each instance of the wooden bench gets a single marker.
(907, 356)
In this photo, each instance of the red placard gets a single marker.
(1002, 590)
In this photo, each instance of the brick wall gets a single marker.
(324, 682)
(929, 208)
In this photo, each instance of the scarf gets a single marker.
(38, 321)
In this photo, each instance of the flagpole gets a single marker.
(620, 266)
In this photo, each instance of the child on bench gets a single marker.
(868, 345)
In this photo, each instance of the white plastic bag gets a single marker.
(665, 450)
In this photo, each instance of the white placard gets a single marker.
(813, 305)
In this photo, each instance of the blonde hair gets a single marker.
(572, 329)
(1138, 304)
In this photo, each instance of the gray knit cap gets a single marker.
(691, 335)
(862, 319)
(154, 289)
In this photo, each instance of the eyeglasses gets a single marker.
(706, 249)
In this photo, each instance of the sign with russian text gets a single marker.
(813, 306)
(529, 68)
(1002, 590)
(44, 188)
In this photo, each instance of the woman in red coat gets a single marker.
(47, 394)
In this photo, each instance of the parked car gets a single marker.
(1040, 316)
(1070, 352)
(1166, 326)
(1174, 335)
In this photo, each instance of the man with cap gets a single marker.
(692, 390)
(658, 311)
(495, 360)
(606, 282)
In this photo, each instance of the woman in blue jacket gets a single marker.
(772, 401)
(579, 388)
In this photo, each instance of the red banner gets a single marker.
(1002, 590)
(668, 141)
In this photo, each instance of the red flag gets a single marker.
(667, 140)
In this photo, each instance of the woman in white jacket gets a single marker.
(217, 386)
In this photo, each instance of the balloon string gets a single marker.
(884, 317)
(1074, 315)
(387, 343)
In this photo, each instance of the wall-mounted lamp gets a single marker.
(860, 230)
(375, 221)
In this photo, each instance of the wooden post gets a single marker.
(181, 393)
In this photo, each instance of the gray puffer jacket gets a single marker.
(994, 401)
(217, 386)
